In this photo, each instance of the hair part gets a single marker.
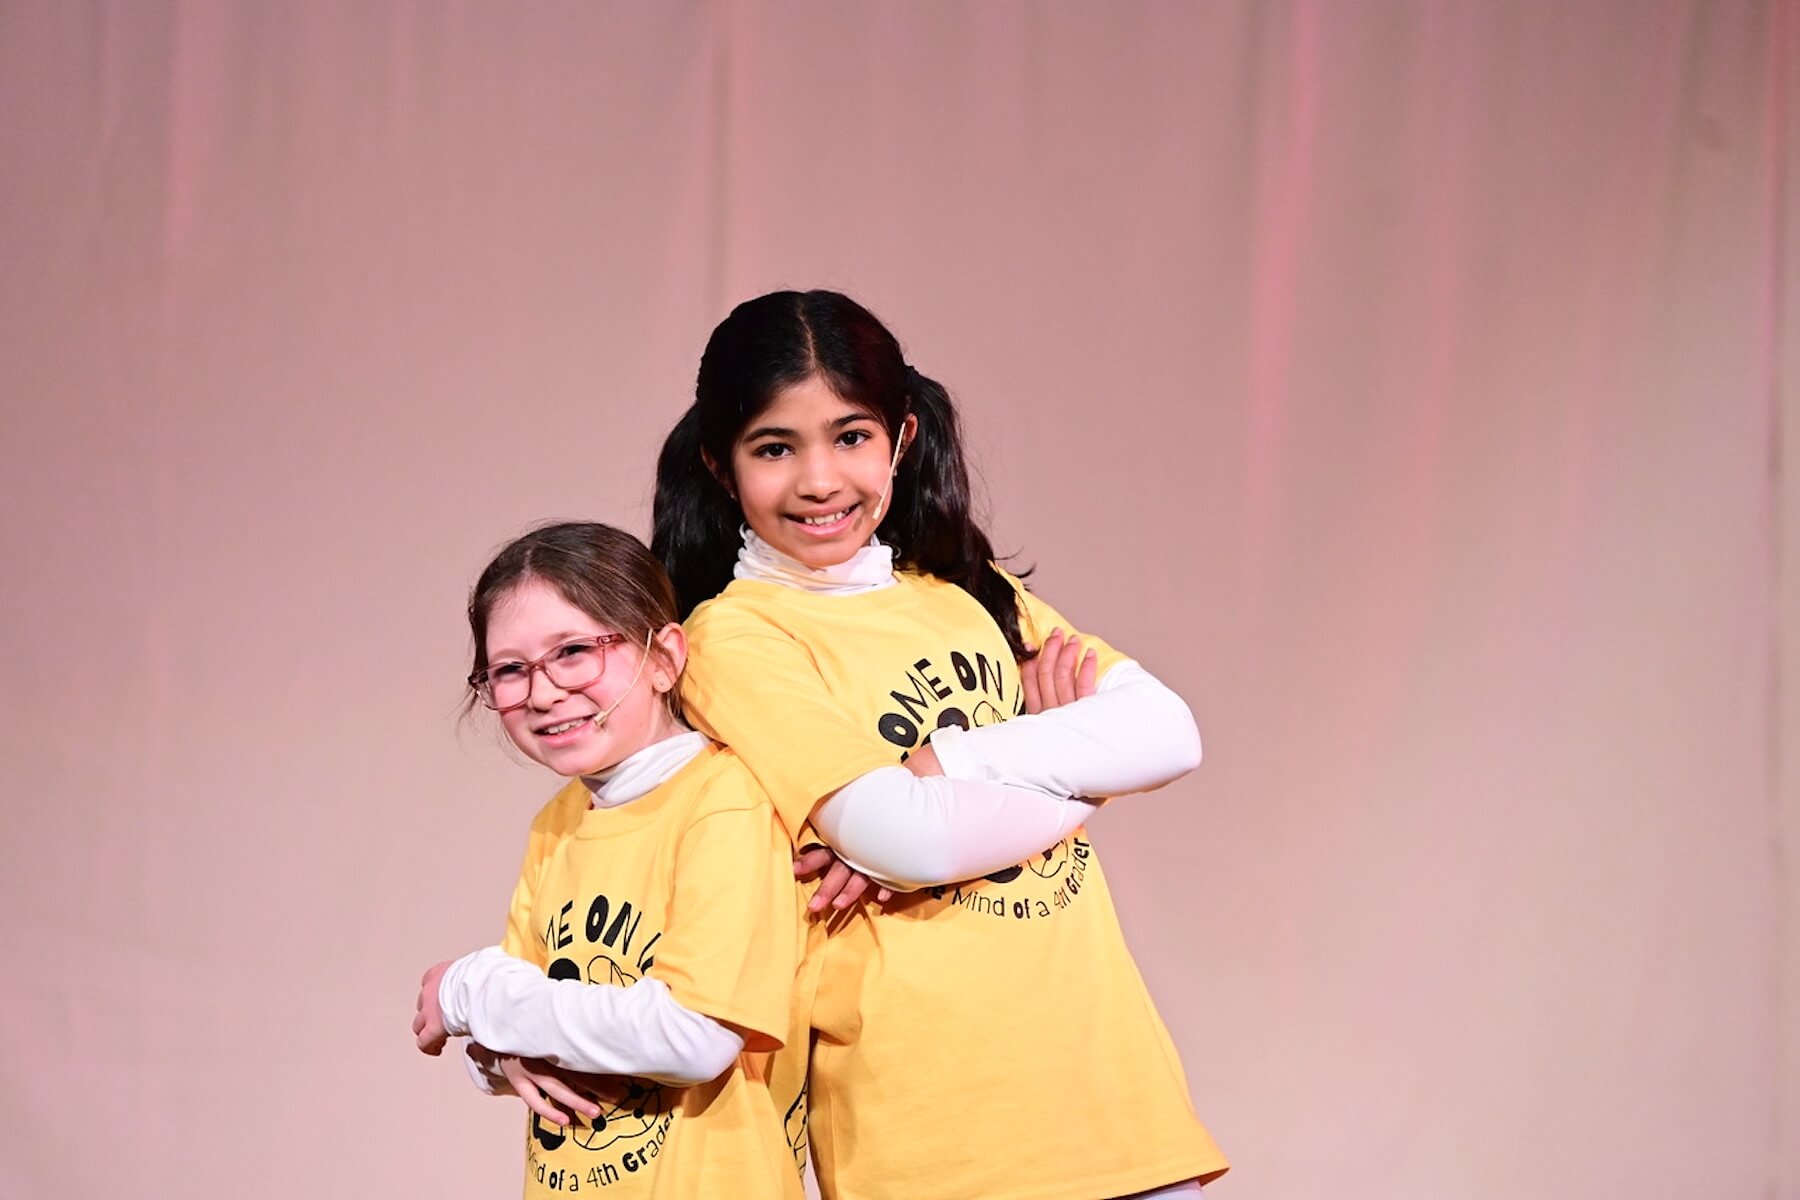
(772, 343)
(605, 572)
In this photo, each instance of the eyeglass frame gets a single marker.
(602, 642)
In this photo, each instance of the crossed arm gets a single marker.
(1127, 733)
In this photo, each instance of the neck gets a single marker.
(870, 568)
(669, 748)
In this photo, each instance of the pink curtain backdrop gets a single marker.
(1408, 383)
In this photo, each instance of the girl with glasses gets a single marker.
(640, 1002)
(902, 699)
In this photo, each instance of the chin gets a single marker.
(818, 554)
(585, 770)
(586, 761)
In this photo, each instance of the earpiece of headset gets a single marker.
(900, 445)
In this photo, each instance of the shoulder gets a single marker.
(743, 609)
(1018, 585)
(931, 590)
(562, 813)
(722, 783)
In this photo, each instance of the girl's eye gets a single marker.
(503, 671)
(575, 651)
(770, 450)
(855, 437)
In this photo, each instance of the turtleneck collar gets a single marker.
(868, 570)
(641, 772)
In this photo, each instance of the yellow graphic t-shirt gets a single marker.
(989, 1039)
(691, 883)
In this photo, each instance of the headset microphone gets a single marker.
(599, 718)
(899, 447)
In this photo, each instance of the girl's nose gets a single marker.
(819, 477)
(543, 693)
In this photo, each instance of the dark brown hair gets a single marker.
(771, 343)
(604, 572)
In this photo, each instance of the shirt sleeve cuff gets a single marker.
(954, 756)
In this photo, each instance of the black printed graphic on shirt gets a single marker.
(794, 1123)
(601, 941)
(971, 690)
(968, 690)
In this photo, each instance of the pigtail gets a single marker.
(773, 342)
(695, 519)
(932, 524)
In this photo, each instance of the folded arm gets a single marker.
(510, 1007)
(910, 832)
(1132, 735)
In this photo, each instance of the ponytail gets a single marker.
(695, 519)
(931, 522)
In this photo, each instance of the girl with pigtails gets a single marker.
(903, 700)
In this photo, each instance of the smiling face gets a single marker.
(811, 473)
(555, 726)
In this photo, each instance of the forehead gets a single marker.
(534, 616)
(806, 405)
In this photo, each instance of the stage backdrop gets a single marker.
(1409, 384)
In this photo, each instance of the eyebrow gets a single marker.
(780, 431)
(556, 639)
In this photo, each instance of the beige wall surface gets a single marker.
(1407, 383)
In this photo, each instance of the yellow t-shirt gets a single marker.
(691, 883)
(992, 1039)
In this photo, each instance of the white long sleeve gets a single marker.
(912, 832)
(1132, 735)
(509, 1006)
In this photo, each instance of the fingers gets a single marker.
(1068, 668)
(535, 1101)
(429, 1038)
(554, 1090)
(1087, 679)
(852, 891)
(811, 860)
(428, 1035)
(1051, 679)
(524, 1085)
(1061, 672)
(428, 1029)
(1028, 671)
(1049, 665)
(836, 878)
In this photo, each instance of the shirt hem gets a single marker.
(1205, 1168)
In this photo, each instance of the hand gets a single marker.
(923, 762)
(428, 1018)
(841, 886)
(542, 1086)
(1058, 674)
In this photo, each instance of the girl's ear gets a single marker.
(909, 430)
(668, 656)
(718, 473)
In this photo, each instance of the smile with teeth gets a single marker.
(827, 519)
(553, 730)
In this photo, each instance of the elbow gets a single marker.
(1188, 750)
(1181, 736)
(697, 1055)
(709, 1066)
(691, 1072)
(903, 868)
